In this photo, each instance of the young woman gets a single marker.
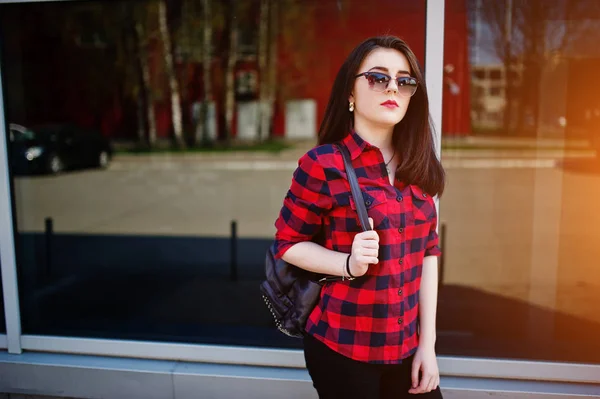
(371, 335)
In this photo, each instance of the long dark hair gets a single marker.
(412, 137)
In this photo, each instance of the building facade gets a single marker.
(133, 271)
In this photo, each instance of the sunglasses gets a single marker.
(407, 85)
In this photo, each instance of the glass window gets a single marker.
(495, 91)
(495, 74)
(478, 74)
(145, 187)
(519, 217)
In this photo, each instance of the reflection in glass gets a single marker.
(207, 106)
(520, 275)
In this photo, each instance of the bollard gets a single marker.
(233, 272)
(48, 232)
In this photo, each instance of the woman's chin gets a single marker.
(388, 120)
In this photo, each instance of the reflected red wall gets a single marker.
(311, 70)
(456, 99)
(62, 82)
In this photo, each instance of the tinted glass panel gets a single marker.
(146, 185)
(520, 275)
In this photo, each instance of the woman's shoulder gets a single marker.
(325, 155)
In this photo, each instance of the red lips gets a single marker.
(390, 103)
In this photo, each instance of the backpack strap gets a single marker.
(359, 200)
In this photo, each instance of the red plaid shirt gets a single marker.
(373, 318)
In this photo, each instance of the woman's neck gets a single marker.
(379, 136)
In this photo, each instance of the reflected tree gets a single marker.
(199, 20)
(175, 97)
(267, 64)
(207, 34)
(140, 83)
(231, 61)
(525, 36)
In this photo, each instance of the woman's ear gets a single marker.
(351, 98)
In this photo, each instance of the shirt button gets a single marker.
(400, 291)
(424, 195)
(399, 321)
(401, 230)
(399, 198)
(367, 202)
(401, 261)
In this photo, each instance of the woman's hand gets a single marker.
(365, 249)
(424, 362)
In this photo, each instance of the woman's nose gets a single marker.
(392, 86)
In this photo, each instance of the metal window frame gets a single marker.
(434, 65)
(236, 355)
(7, 244)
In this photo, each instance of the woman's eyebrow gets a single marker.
(388, 71)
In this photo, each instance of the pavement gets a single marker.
(531, 142)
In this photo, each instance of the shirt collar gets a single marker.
(355, 144)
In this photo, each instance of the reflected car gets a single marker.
(56, 148)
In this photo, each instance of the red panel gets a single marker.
(310, 61)
(457, 75)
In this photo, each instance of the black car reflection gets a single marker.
(55, 148)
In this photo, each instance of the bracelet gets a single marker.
(348, 269)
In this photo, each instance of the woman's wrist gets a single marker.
(427, 340)
(348, 267)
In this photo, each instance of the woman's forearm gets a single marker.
(315, 258)
(428, 301)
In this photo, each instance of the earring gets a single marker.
(351, 107)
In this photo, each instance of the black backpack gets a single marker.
(290, 292)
